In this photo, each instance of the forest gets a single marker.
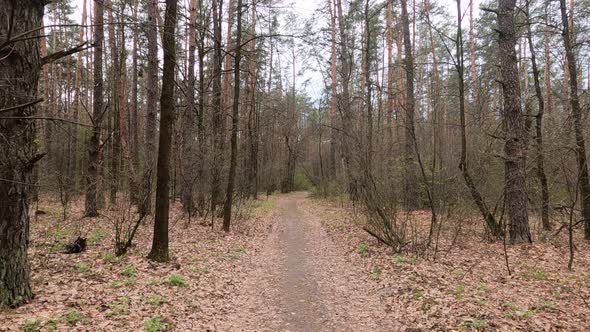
(276, 165)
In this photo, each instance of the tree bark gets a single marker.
(91, 204)
(188, 123)
(410, 185)
(218, 110)
(151, 106)
(577, 116)
(115, 88)
(514, 126)
(334, 93)
(134, 121)
(235, 117)
(540, 157)
(159, 250)
(19, 75)
(389, 31)
(472, 63)
(252, 113)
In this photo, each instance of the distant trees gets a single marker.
(404, 102)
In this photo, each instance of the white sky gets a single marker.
(305, 9)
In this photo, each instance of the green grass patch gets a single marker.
(427, 304)
(120, 307)
(363, 250)
(517, 312)
(73, 317)
(264, 206)
(418, 294)
(376, 274)
(155, 324)
(200, 270)
(460, 291)
(154, 300)
(96, 235)
(32, 325)
(129, 271)
(473, 324)
(399, 259)
(539, 275)
(82, 267)
(177, 280)
(111, 258)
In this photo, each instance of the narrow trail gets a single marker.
(301, 282)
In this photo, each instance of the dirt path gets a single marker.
(301, 282)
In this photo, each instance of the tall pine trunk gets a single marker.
(151, 107)
(159, 250)
(19, 75)
(540, 157)
(227, 208)
(514, 126)
(188, 124)
(91, 204)
(584, 178)
(410, 186)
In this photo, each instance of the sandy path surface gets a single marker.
(301, 282)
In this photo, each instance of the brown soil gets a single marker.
(302, 282)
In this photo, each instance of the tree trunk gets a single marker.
(514, 127)
(201, 109)
(410, 185)
(151, 106)
(389, 30)
(134, 124)
(577, 115)
(334, 93)
(540, 157)
(227, 67)
(490, 220)
(368, 90)
(76, 103)
(19, 75)
(472, 63)
(159, 250)
(188, 123)
(252, 113)
(218, 111)
(235, 117)
(345, 107)
(115, 87)
(91, 206)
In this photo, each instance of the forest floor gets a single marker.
(292, 263)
